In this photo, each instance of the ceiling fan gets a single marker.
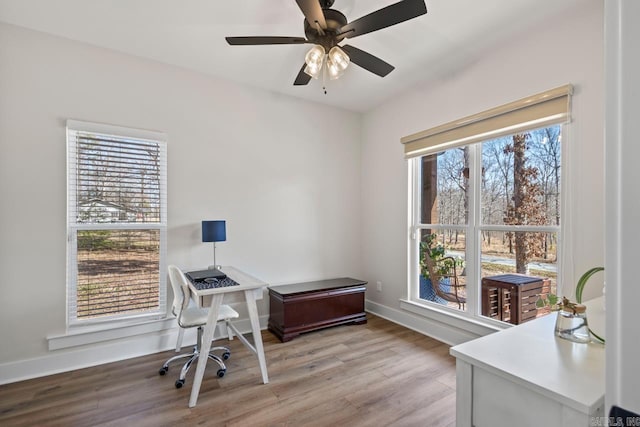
(325, 28)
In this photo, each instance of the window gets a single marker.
(487, 205)
(117, 220)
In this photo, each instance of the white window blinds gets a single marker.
(117, 222)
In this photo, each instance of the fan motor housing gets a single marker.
(335, 20)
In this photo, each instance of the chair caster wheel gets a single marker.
(163, 370)
(221, 372)
(179, 383)
(226, 355)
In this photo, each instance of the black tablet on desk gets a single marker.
(202, 275)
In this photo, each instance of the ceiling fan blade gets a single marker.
(312, 12)
(257, 40)
(368, 61)
(302, 78)
(385, 17)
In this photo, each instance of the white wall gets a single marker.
(568, 49)
(623, 203)
(266, 163)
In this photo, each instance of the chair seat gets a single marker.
(194, 316)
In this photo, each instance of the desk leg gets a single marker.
(250, 297)
(205, 346)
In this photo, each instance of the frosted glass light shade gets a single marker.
(334, 70)
(337, 62)
(314, 60)
(339, 57)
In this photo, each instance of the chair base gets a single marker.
(193, 357)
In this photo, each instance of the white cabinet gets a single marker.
(526, 376)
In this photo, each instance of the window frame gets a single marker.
(549, 108)
(473, 229)
(73, 226)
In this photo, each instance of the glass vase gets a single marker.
(573, 326)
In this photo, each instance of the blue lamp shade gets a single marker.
(214, 231)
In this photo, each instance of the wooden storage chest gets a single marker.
(304, 307)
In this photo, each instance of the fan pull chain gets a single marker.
(324, 76)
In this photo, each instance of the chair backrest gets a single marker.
(180, 289)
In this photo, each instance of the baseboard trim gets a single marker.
(433, 328)
(70, 359)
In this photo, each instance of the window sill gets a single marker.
(74, 338)
(450, 318)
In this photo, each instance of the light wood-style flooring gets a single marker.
(377, 374)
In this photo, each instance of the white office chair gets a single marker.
(190, 316)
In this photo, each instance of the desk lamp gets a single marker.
(214, 231)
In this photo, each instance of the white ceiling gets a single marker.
(190, 34)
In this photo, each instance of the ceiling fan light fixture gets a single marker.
(314, 60)
(339, 57)
(335, 71)
(313, 71)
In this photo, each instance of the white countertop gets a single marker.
(531, 355)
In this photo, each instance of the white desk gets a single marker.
(526, 376)
(252, 289)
